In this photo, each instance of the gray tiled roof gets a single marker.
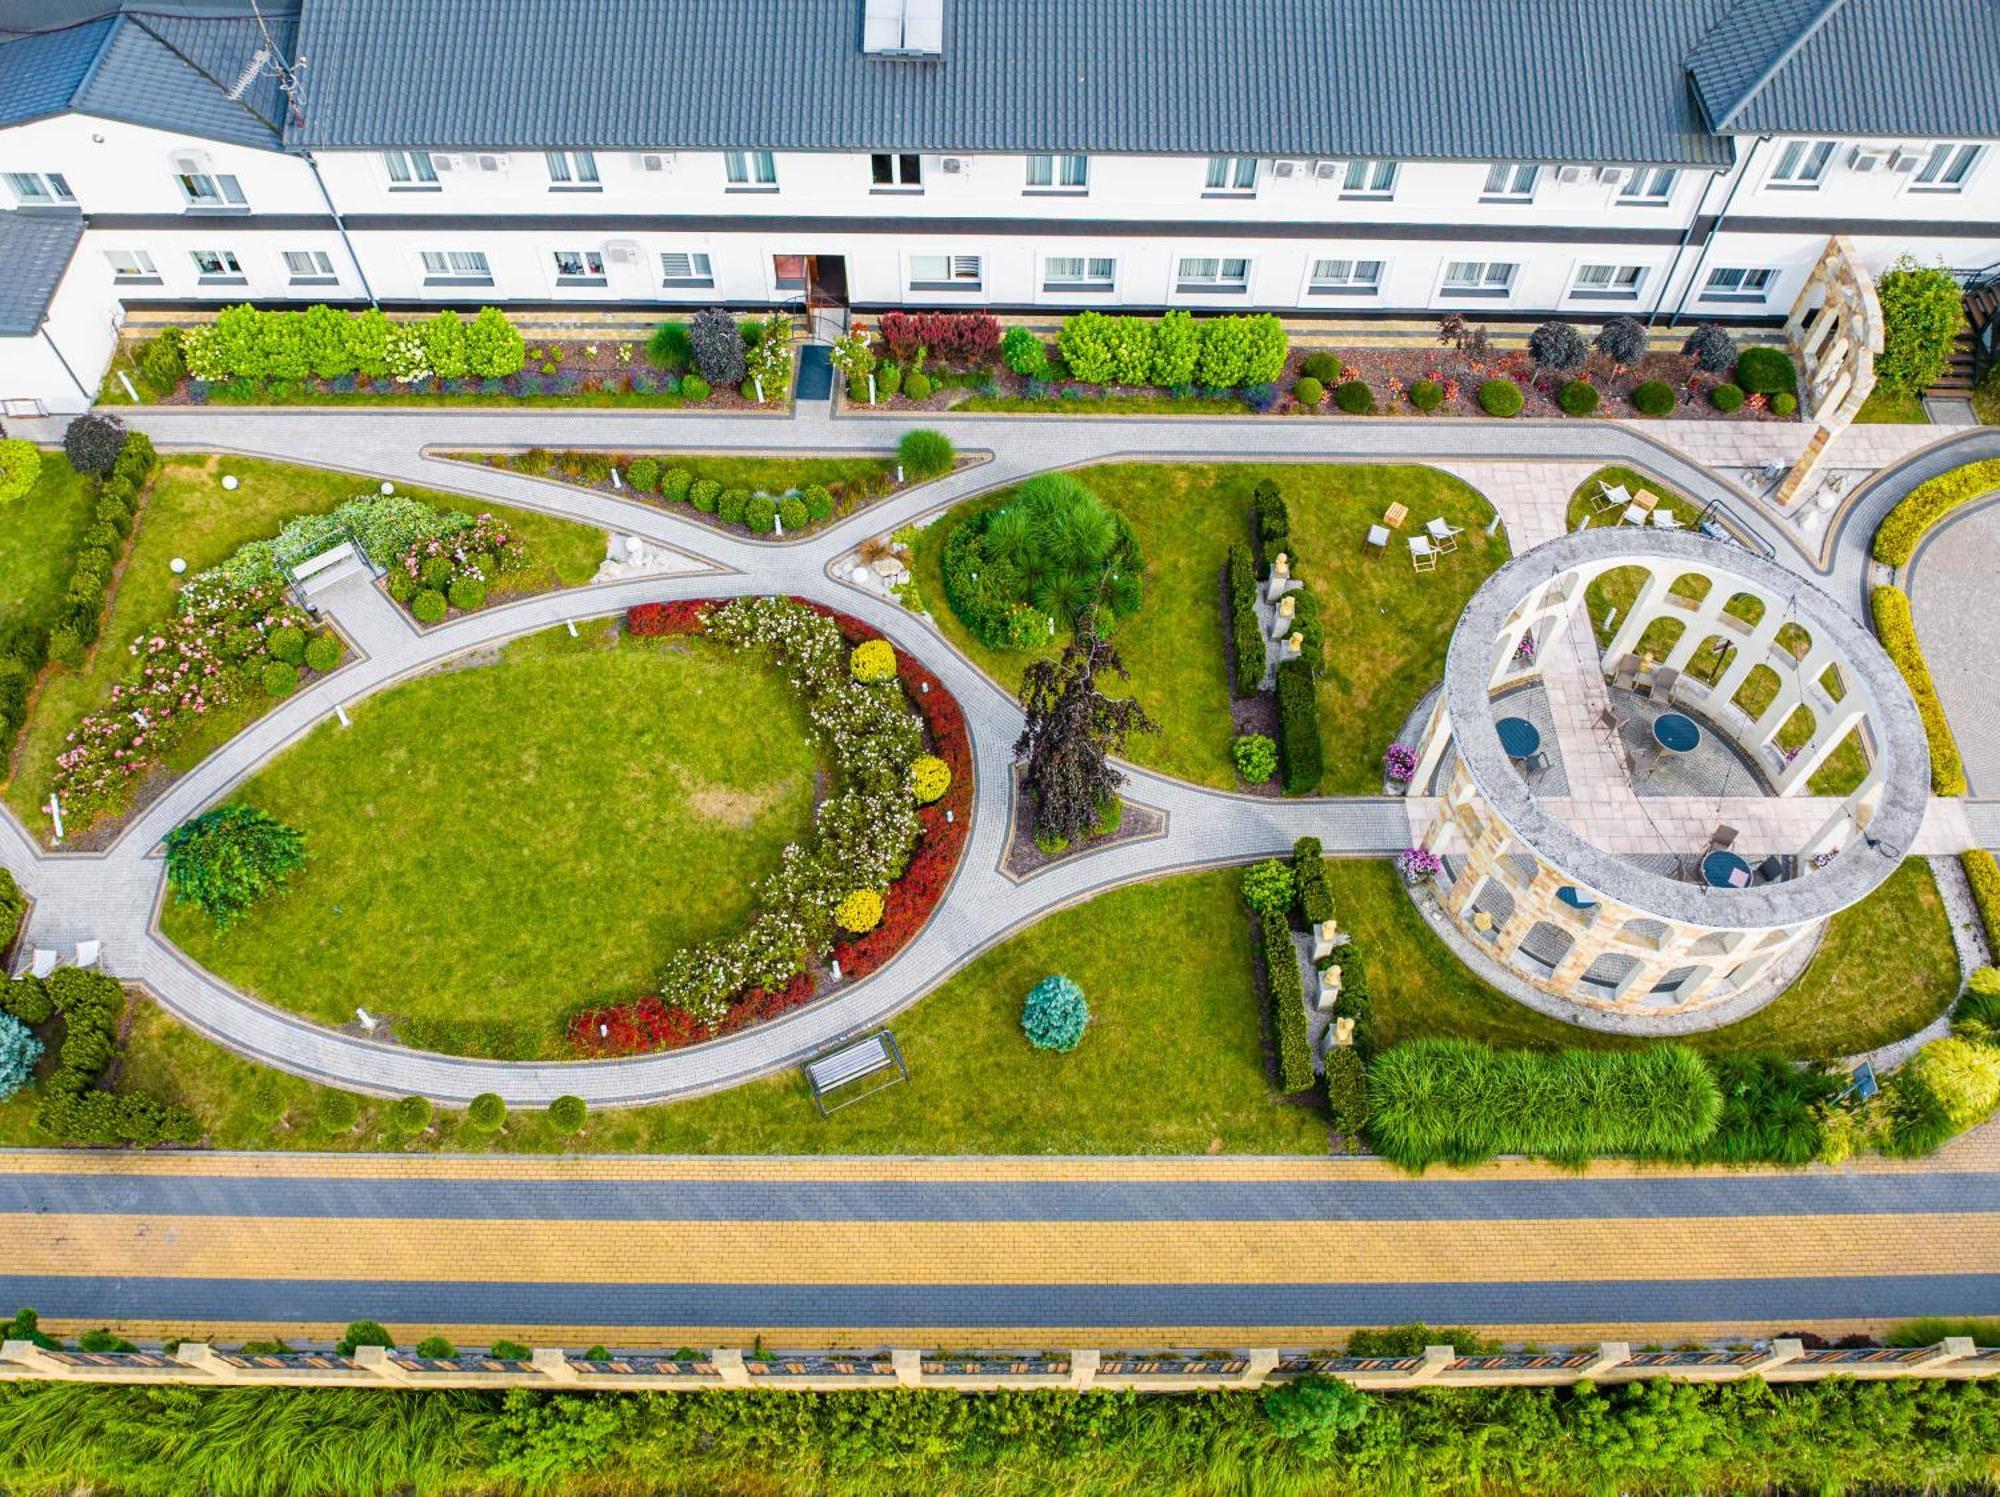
(168, 69)
(1584, 80)
(36, 249)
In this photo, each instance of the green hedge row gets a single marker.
(1174, 351)
(1301, 755)
(1315, 899)
(1903, 527)
(245, 342)
(1246, 634)
(1983, 874)
(1898, 633)
(72, 1109)
(13, 905)
(1288, 1004)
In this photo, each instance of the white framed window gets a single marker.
(1232, 174)
(750, 169)
(1478, 277)
(1801, 163)
(129, 265)
(1608, 282)
(1058, 173)
(211, 264)
(572, 171)
(210, 190)
(1078, 272)
(686, 268)
(953, 272)
(896, 169)
(1368, 179)
(456, 265)
(40, 189)
(1946, 167)
(572, 265)
(1649, 186)
(309, 266)
(1208, 273)
(1511, 181)
(1747, 283)
(410, 170)
(1346, 277)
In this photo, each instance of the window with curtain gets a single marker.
(1058, 171)
(1512, 179)
(1375, 179)
(1232, 174)
(750, 168)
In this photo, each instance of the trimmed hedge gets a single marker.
(1903, 527)
(1347, 1092)
(1983, 874)
(1893, 626)
(1501, 397)
(13, 904)
(1653, 398)
(1766, 371)
(1245, 632)
(1315, 900)
(1578, 398)
(1287, 991)
(1300, 754)
(72, 1108)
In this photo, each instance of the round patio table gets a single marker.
(1519, 737)
(1676, 732)
(1725, 870)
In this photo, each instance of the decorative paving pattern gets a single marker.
(1950, 583)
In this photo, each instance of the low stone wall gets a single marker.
(194, 1364)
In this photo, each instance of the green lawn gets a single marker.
(493, 847)
(1387, 627)
(188, 514)
(39, 536)
(1884, 405)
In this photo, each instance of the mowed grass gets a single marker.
(1386, 626)
(188, 514)
(39, 536)
(494, 846)
(1173, 1061)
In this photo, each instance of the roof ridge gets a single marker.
(97, 58)
(276, 127)
(1777, 63)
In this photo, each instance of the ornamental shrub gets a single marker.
(1501, 397)
(749, 392)
(436, 1349)
(19, 1051)
(873, 660)
(279, 678)
(1309, 392)
(225, 860)
(1266, 349)
(717, 346)
(704, 494)
(669, 348)
(443, 338)
(1255, 757)
(1898, 633)
(1904, 526)
(1267, 887)
(1287, 994)
(925, 454)
(1784, 403)
(1950, 1085)
(888, 379)
(287, 643)
(509, 1351)
(1354, 397)
(567, 1114)
(1923, 312)
(1300, 754)
(163, 365)
(1025, 353)
(1727, 398)
(761, 514)
(12, 905)
(1982, 872)
(338, 1111)
(1766, 371)
(1622, 340)
(428, 606)
(486, 1113)
(1176, 349)
(20, 466)
(694, 389)
(730, 507)
(1711, 348)
(401, 585)
(1055, 1014)
(494, 348)
(92, 443)
(1086, 344)
(859, 912)
(1347, 1092)
(1225, 353)
(643, 474)
(1578, 397)
(1557, 345)
(1653, 398)
(363, 1333)
(323, 652)
(793, 514)
(467, 594)
(1322, 366)
(1426, 394)
(918, 385)
(435, 571)
(410, 1115)
(930, 777)
(674, 485)
(818, 502)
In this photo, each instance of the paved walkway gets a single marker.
(1009, 1252)
(1951, 583)
(111, 895)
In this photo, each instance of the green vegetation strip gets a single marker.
(1897, 537)
(1898, 633)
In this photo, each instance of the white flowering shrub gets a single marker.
(409, 360)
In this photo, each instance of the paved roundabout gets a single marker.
(114, 895)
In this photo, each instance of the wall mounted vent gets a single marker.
(653, 161)
(623, 252)
(1572, 173)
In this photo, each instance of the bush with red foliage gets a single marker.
(962, 339)
(681, 616)
(630, 1028)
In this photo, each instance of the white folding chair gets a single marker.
(1635, 514)
(42, 964)
(1610, 496)
(1423, 555)
(87, 953)
(1443, 536)
(1665, 519)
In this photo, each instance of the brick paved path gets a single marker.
(111, 896)
(1951, 597)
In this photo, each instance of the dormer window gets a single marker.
(903, 28)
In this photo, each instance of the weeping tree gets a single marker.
(1072, 731)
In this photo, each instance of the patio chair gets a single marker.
(1609, 496)
(1423, 555)
(1722, 838)
(1771, 869)
(43, 963)
(1626, 677)
(1635, 514)
(1443, 534)
(1377, 539)
(1666, 519)
(87, 953)
(1662, 689)
(1609, 721)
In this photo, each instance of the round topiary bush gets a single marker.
(1255, 757)
(1055, 1014)
(1784, 403)
(436, 1349)
(693, 388)
(323, 652)
(435, 571)
(1501, 397)
(644, 474)
(428, 606)
(731, 505)
(1324, 367)
(1426, 394)
(280, 678)
(1711, 348)
(930, 777)
(873, 660)
(860, 912)
(1727, 397)
(1579, 397)
(704, 494)
(567, 1114)
(486, 1112)
(287, 642)
(761, 514)
(338, 1111)
(92, 443)
(1309, 392)
(818, 502)
(918, 385)
(410, 1115)
(1354, 398)
(674, 485)
(1267, 886)
(402, 586)
(792, 514)
(20, 466)
(1653, 398)
(1766, 371)
(467, 593)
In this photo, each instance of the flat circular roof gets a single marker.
(1897, 730)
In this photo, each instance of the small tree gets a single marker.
(1315, 1412)
(1923, 312)
(1711, 348)
(1557, 345)
(486, 1113)
(1622, 340)
(567, 1114)
(92, 443)
(19, 1050)
(1055, 1014)
(225, 860)
(1072, 730)
(718, 348)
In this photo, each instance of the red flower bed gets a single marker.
(682, 616)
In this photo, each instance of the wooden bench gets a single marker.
(829, 1072)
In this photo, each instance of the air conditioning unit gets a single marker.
(623, 252)
(653, 161)
(191, 163)
(955, 166)
(1326, 171)
(1572, 173)
(1867, 158)
(447, 163)
(1905, 161)
(493, 163)
(1611, 175)
(1288, 170)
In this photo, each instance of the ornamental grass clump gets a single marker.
(1055, 1014)
(225, 860)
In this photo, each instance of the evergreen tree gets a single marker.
(1072, 731)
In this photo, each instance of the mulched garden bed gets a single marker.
(1023, 858)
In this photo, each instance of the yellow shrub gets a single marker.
(930, 777)
(860, 912)
(1984, 875)
(1891, 606)
(1897, 536)
(873, 660)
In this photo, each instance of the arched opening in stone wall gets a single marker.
(1711, 659)
(1758, 691)
(1745, 606)
(1610, 597)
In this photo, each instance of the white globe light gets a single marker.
(388, 487)
(178, 565)
(229, 481)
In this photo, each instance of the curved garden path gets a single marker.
(113, 895)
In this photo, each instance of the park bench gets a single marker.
(835, 1069)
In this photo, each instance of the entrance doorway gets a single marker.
(826, 280)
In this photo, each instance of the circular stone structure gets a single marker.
(1579, 869)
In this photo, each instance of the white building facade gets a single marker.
(581, 154)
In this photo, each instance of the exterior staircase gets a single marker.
(1978, 345)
